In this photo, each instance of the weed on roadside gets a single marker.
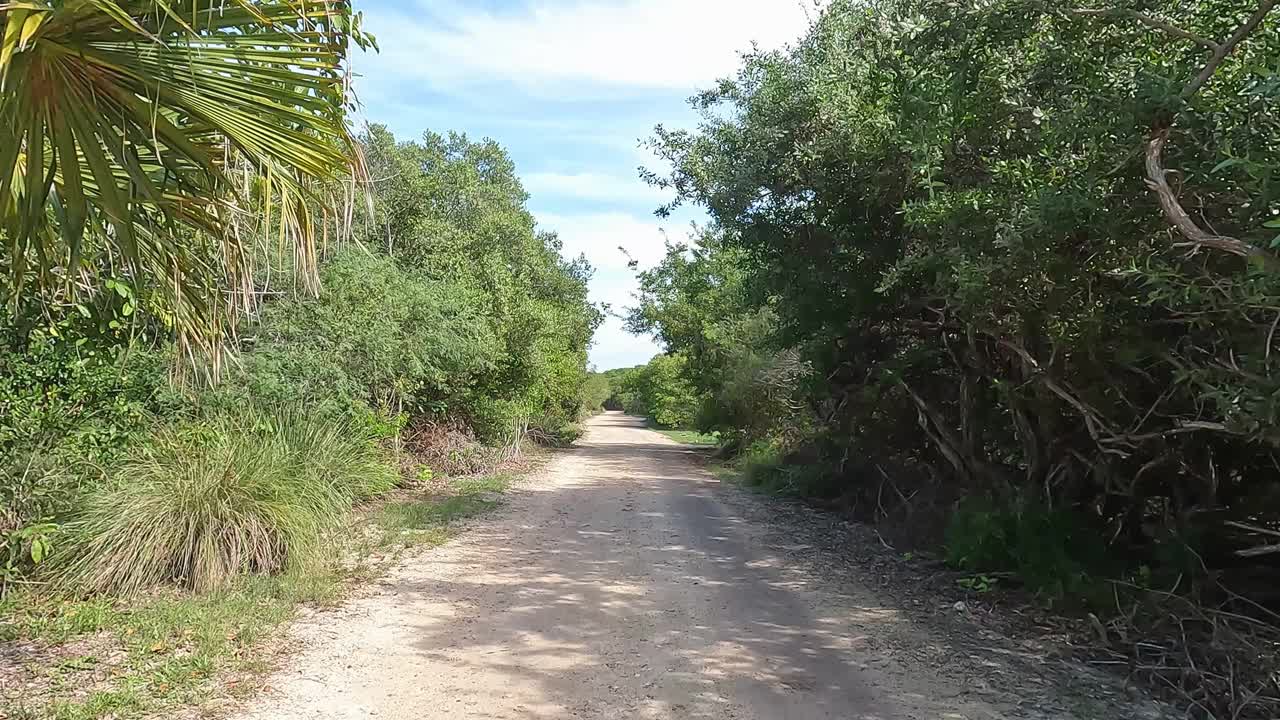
(426, 521)
(692, 437)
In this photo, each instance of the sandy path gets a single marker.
(623, 582)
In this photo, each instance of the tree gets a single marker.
(453, 210)
(962, 219)
(699, 302)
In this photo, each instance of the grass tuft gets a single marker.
(200, 506)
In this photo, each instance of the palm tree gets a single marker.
(133, 132)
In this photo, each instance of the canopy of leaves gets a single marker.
(453, 212)
(947, 211)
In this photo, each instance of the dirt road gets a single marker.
(623, 582)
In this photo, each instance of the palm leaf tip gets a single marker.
(120, 121)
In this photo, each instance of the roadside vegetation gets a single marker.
(691, 437)
(95, 655)
(244, 353)
(1002, 278)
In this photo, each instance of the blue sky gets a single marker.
(570, 88)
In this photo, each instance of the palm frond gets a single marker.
(120, 120)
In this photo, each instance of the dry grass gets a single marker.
(198, 507)
(449, 448)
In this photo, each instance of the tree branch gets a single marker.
(1251, 528)
(1196, 237)
(1225, 48)
(1262, 550)
(1151, 22)
(933, 426)
(1157, 180)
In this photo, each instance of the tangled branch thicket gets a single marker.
(1019, 258)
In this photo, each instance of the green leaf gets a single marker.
(1230, 162)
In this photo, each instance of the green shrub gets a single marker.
(1056, 553)
(54, 384)
(70, 406)
(594, 394)
(67, 409)
(204, 503)
(23, 548)
(762, 467)
(380, 338)
(661, 391)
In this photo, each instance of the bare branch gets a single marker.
(1261, 550)
(1152, 22)
(1094, 420)
(935, 428)
(1225, 48)
(1196, 237)
(1251, 528)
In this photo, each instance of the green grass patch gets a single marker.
(691, 437)
(428, 521)
(156, 651)
(166, 648)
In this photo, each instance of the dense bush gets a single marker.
(1051, 551)
(958, 220)
(378, 337)
(596, 392)
(660, 391)
(200, 504)
(696, 302)
(65, 398)
(452, 212)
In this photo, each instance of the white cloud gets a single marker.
(591, 186)
(614, 347)
(661, 44)
(615, 289)
(599, 235)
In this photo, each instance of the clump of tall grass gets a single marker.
(203, 503)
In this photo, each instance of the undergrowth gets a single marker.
(692, 437)
(764, 466)
(1053, 552)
